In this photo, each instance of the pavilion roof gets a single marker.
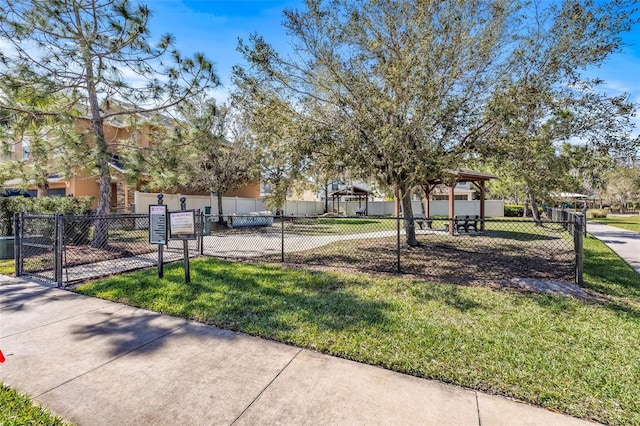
(465, 175)
(352, 190)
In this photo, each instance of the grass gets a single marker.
(338, 226)
(17, 409)
(575, 356)
(7, 267)
(630, 223)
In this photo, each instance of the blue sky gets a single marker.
(214, 26)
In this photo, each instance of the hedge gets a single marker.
(40, 205)
(516, 210)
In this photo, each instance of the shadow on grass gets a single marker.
(263, 300)
(448, 294)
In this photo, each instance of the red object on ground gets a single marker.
(1, 357)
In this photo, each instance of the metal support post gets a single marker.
(17, 245)
(398, 241)
(201, 228)
(185, 246)
(59, 241)
(579, 250)
(160, 246)
(282, 237)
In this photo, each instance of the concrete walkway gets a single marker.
(95, 362)
(625, 243)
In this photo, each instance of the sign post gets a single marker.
(182, 226)
(158, 230)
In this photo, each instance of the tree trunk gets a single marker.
(409, 223)
(326, 197)
(534, 208)
(101, 226)
(220, 218)
(42, 191)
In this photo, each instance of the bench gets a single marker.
(421, 220)
(361, 211)
(466, 222)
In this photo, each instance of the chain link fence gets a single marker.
(476, 251)
(36, 244)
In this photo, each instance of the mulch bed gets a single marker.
(478, 260)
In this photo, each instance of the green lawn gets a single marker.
(17, 409)
(578, 357)
(631, 223)
(7, 267)
(337, 226)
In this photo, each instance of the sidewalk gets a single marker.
(96, 362)
(625, 243)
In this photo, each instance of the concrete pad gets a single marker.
(317, 390)
(43, 358)
(198, 375)
(498, 411)
(36, 306)
(12, 288)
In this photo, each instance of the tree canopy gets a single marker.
(93, 51)
(400, 82)
(544, 100)
(413, 88)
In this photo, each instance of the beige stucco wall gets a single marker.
(248, 191)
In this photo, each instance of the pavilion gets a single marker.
(352, 192)
(454, 177)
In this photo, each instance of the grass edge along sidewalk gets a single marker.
(630, 223)
(18, 409)
(574, 356)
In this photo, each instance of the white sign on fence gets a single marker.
(182, 225)
(158, 224)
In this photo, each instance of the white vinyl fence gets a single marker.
(237, 205)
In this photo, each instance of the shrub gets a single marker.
(597, 213)
(516, 210)
(40, 205)
(513, 210)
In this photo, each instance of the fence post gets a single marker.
(201, 228)
(398, 240)
(578, 247)
(185, 246)
(59, 237)
(17, 243)
(282, 237)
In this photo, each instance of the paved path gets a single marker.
(625, 243)
(96, 362)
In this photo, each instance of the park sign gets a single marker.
(158, 224)
(182, 225)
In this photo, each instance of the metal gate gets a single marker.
(38, 243)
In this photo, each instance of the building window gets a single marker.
(57, 192)
(134, 137)
(26, 149)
